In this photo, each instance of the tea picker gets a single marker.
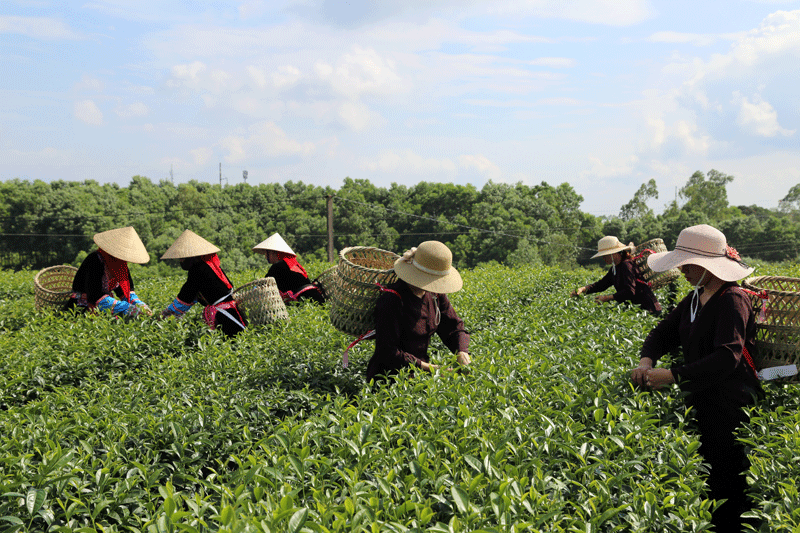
(624, 275)
(206, 283)
(103, 281)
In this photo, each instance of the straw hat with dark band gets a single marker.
(430, 268)
(274, 243)
(189, 244)
(610, 245)
(124, 244)
(705, 246)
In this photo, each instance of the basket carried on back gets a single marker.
(354, 290)
(52, 286)
(778, 333)
(655, 279)
(261, 302)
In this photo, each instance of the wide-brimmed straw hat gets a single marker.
(189, 244)
(430, 268)
(123, 243)
(705, 246)
(610, 245)
(274, 243)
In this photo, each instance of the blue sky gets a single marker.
(603, 94)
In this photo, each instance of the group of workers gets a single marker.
(103, 281)
(714, 325)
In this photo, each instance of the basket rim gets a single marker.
(38, 286)
(751, 283)
(257, 281)
(344, 251)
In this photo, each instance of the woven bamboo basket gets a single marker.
(325, 282)
(778, 334)
(261, 302)
(354, 287)
(655, 279)
(52, 287)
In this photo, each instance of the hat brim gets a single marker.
(450, 282)
(274, 243)
(123, 243)
(724, 268)
(611, 251)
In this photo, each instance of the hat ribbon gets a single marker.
(430, 270)
(730, 252)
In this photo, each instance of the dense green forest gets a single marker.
(47, 223)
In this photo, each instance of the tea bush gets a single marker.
(162, 426)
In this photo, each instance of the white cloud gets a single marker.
(136, 109)
(696, 39)
(201, 156)
(361, 71)
(38, 28)
(606, 12)
(285, 76)
(758, 117)
(482, 165)
(408, 162)
(88, 112)
(190, 72)
(553, 62)
(90, 84)
(263, 139)
(355, 115)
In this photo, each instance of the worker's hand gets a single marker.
(603, 298)
(578, 292)
(146, 310)
(463, 358)
(658, 378)
(639, 374)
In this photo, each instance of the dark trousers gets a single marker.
(728, 461)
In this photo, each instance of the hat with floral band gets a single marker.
(704, 246)
(429, 267)
(610, 245)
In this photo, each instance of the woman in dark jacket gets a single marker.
(290, 276)
(623, 275)
(410, 311)
(103, 281)
(715, 327)
(206, 283)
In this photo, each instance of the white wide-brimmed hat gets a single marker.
(429, 268)
(189, 244)
(274, 243)
(610, 245)
(705, 246)
(123, 243)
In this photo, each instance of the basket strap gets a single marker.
(371, 333)
(641, 254)
(764, 311)
(293, 296)
(745, 352)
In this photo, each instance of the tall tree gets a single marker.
(637, 207)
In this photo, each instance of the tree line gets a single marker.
(46, 223)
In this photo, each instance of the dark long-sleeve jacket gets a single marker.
(404, 326)
(91, 289)
(629, 286)
(714, 369)
(289, 281)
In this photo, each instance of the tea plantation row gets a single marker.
(150, 426)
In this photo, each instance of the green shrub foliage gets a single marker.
(162, 426)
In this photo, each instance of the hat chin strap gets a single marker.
(694, 305)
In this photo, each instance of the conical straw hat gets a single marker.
(189, 244)
(123, 243)
(275, 243)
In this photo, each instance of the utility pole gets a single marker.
(330, 228)
(220, 175)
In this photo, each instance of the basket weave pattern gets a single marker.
(52, 286)
(655, 279)
(261, 302)
(353, 289)
(778, 335)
